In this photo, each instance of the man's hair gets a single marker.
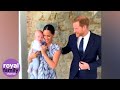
(83, 20)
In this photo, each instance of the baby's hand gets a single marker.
(38, 52)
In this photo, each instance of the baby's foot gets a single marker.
(29, 70)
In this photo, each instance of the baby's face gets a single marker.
(39, 36)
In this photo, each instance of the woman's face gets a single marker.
(48, 36)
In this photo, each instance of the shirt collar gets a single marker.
(86, 36)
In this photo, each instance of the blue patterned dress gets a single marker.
(44, 71)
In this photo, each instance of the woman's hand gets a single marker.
(32, 56)
(43, 49)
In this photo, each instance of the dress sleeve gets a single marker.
(55, 48)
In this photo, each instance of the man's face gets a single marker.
(78, 30)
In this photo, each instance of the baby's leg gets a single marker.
(35, 67)
(30, 68)
(31, 76)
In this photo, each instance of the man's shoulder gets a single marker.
(95, 35)
(72, 35)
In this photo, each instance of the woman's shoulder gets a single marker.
(55, 46)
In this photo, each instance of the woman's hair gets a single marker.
(50, 28)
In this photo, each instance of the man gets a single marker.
(86, 51)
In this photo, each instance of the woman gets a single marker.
(50, 55)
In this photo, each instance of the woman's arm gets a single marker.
(56, 56)
(32, 56)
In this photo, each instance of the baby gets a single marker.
(35, 47)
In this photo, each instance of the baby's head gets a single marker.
(38, 35)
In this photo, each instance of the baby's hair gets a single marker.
(39, 31)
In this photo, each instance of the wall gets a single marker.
(8, 38)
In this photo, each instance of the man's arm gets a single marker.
(67, 48)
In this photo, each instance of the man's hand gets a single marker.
(84, 65)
